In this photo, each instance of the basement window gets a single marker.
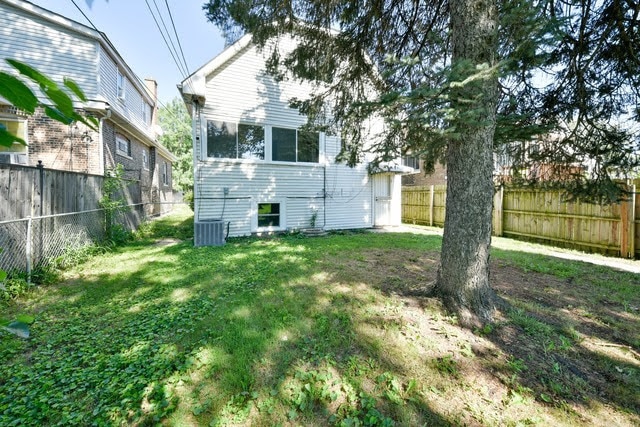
(268, 215)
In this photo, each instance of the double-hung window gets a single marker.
(291, 145)
(165, 173)
(145, 159)
(235, 141)
(123, 146)
(120, 85)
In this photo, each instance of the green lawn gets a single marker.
(317, 331)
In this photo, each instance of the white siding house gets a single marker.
(257, 170)
(125, 106)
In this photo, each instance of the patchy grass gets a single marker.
(318, 331)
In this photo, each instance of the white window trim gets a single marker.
(254, 216)
(26, 136)
(320, 150)
(119, 151)
(145, 156)
(165, 174)
(121, 89)
(268, 145)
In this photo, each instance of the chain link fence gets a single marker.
(34, 242)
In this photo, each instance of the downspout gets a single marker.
(101, 138)
(324, 195)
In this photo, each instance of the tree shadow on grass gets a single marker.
(244, 333)
(570, 339)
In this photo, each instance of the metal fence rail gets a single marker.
(35, 241)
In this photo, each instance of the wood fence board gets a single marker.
(544, 215)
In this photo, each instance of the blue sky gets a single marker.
(131, 28)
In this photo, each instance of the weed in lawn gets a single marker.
(447, 366)
(531, 325)
(288, 331)
(516, 365)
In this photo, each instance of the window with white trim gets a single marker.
(230, 141)
(268, 215)
(145, 159)
(17, 128)
(120, 85)
(123, 146)
(146, 113)
(165, 173)
(293, 145)
(227, 140)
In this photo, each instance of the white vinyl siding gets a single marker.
(53, 50)
(240, 92)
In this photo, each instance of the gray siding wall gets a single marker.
(131, 106)
(52, 49)
(241, 92)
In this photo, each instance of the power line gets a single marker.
(177, 38)
(175, 50)
(106, 40)
(165, 40)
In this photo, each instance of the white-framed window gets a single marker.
(18, 128)
(120, 85)
(294, 145)
(165, 173)
(146, 113)
(145, 159)
(235, 141)
(269, 216)
(123, 145)
(228, 140)
(411, 161)
(16, 153)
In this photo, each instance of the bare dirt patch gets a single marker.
(566, 343)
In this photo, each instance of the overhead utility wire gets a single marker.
(165, 40)
(104, 37)
(175, 50)
(173, 24)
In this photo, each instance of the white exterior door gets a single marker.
(382, 189)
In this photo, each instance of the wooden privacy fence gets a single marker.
(542, 215)
(27, 191)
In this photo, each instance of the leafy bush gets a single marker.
(12, 288)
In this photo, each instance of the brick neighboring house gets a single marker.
(438, 177)
(125, 106)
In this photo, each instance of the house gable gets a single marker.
(234, 90)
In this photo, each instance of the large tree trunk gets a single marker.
(463, 276)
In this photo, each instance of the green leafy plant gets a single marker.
(59, 106)
(314, 218)
(112, 204)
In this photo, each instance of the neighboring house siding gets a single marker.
(51, 49)
(131, 106)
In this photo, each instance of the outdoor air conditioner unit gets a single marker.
(209, 232)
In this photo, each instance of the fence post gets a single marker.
(431, 207)
(625, 227)
(632, 223)
(498, 199)
(28, 250)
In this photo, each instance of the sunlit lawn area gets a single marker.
(318, 331)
